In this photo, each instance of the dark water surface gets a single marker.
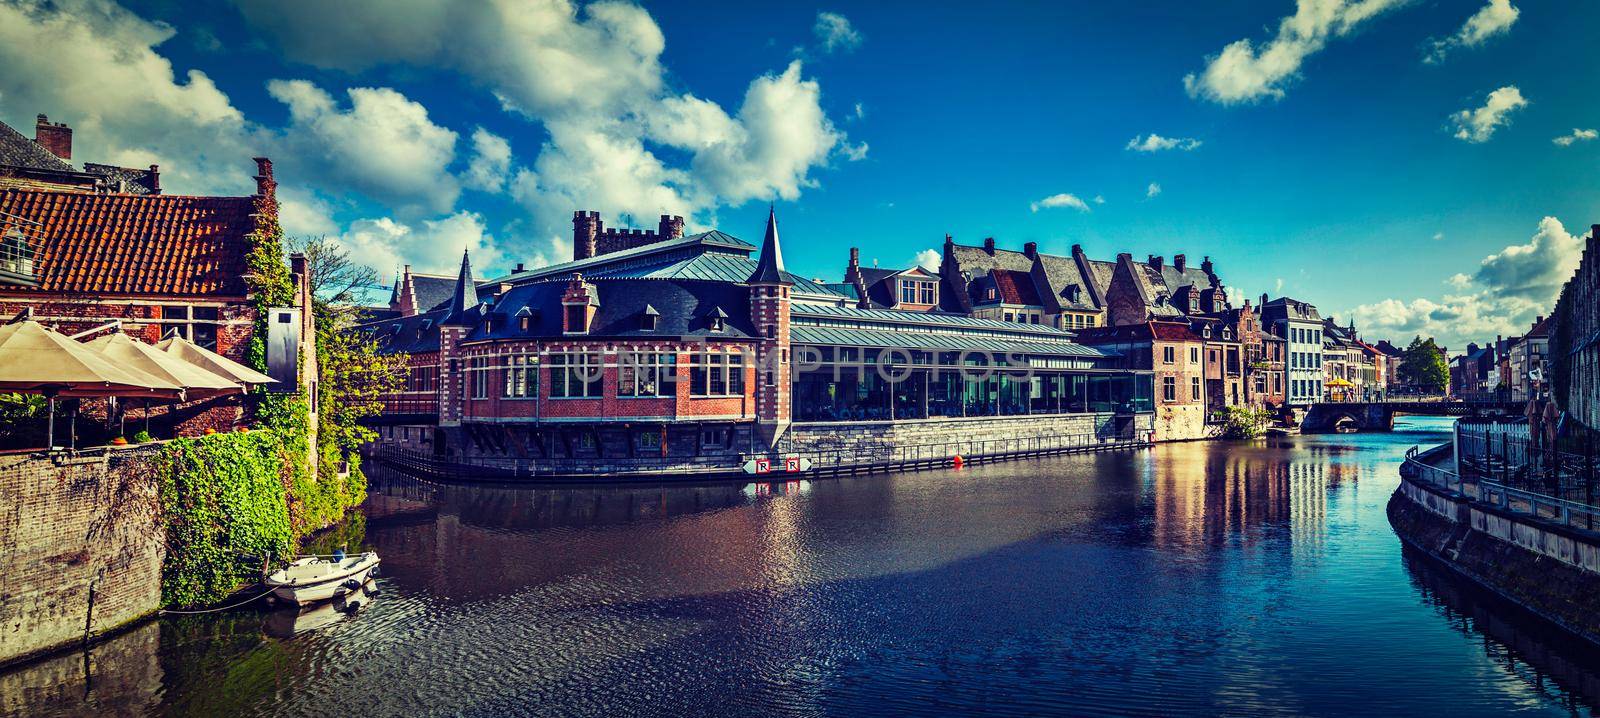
(1254, 579)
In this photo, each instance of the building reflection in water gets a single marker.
(1204, 495)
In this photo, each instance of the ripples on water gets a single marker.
(1197, 578)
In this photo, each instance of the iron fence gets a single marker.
(1504, 453)
(1511, 499)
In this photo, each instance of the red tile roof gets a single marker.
(1147, 331)
(1016, 287)
(131, 245)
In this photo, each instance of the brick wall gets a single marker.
(72, 528)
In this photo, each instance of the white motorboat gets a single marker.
(291, 620)
(314, 579)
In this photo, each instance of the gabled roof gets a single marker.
(122, 245)
(17, 150)
(1011, 287)
(432, 290)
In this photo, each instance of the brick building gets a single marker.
(694, 351)
(155, 264)
(1177, 357)
(44, 163)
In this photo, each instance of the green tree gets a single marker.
(1423, 365)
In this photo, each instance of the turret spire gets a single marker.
(769, 267)
(466, 293)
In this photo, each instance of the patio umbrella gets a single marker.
(197, 381)
(212, 361)
(35, 360)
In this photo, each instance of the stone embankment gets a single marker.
(81, 547)
(1539, 555)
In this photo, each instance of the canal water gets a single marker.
(1206, 578)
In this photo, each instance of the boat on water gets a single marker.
(313, 579)
(289, 621)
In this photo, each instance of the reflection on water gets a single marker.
(1191, 578)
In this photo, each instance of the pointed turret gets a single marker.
(769, 267)
(465, 296)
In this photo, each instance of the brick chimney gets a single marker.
(57, 137)
(1205, 266)
(988, 244)
(671, 227)
(265, 185)
(1156, 261)
(1179, 262)
(155, 179)
(586, 227)
(1031, 250)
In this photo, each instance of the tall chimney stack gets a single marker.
(1030, 250)
(1179, 262)
(57, 138)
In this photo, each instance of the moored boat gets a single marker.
(313, 579)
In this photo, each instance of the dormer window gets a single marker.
(648, 319)
(919, 291)
(16, 257)
(524, 319)
(717, 321)
(1205, 332)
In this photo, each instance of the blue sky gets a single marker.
(1315, 150)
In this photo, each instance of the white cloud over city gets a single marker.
(1063, 199)
(619, 140)
(1245, 71)
(1492, 19)
(1156, 143)
(1501, 296)
(1478, 124)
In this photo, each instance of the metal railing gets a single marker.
(1506, 498)
(1503, 452)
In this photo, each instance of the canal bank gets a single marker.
(1534, 551)
(1185, 579)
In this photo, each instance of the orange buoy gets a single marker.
(958, 461)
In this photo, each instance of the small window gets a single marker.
(648, 322)
(1169, 355)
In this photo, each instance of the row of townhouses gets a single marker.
(1515, 368)
(654, 344)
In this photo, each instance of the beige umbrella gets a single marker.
(35, 360)
(212, 361)
(196, 381)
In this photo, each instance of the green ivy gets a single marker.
(223, 505)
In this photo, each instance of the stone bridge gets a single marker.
(1379, 415)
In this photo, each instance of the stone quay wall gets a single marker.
(1549, 568)
(918, 440)
(81, 547)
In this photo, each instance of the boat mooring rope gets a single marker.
(222, 608)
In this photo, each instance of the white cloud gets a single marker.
(1099, 199)
(1492, 19)
(384, 145)
(540, 57)
(1576, 136)
(432, 246)
(94, 65)
(1438, 236)
(858, 112)
(1506, 292)
(1156, 143)
(835, 33)
(854, 153)
(1060, 200)
(1153, 190)
(1478, 125)
(929, 259)
(490, 167)
(302, 212)
(1243, 72)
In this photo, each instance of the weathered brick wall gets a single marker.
(75, 530)
(141, 318)
(121, 677)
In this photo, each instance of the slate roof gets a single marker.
(684, 310)
(1062, 274)
(129, 245)
(769, 265)
(18, 150)
(708, 242)
(416, 334)
(1293, 309)
(432, 290)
